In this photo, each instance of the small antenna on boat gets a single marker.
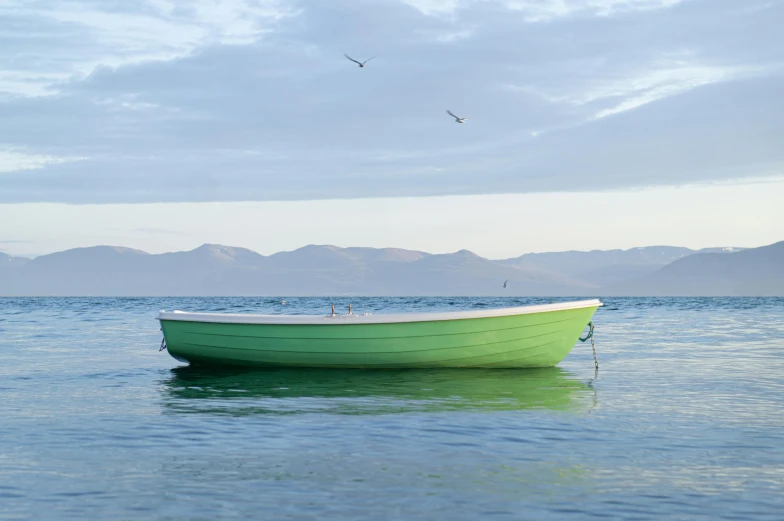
(333, 310)
(349, 309)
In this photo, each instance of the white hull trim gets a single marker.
(398, 318)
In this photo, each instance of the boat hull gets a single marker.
(527, 340)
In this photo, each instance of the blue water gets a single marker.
(685, 420)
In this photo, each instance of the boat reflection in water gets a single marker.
(290, 391)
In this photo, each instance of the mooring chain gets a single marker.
(593, 347)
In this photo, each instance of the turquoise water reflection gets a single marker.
(287, 391)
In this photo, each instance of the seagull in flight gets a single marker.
(505, 282)
(361, 64)
(457, 119)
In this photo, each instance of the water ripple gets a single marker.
(683, 421)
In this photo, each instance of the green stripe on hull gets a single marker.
(515, 341)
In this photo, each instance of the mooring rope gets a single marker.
(593, 348)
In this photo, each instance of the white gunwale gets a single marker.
(396, 318)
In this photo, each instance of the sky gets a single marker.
(592, 124)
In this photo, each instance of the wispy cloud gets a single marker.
(81, 35)
(662, 83)
(435, 7)
(29, 82)
(453, 36)
(544, 10)
(613, 92)
(14, 160)
(132, 102)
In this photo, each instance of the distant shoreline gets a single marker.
(224, 271)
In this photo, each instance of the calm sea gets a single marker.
(685, 420)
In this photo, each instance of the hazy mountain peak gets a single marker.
(208, 247)
(325, 255)
(7, 261)
(95, 250)
(224, 250)
(467, 254)
(722, 272)
(456, 259)
(385, 254)
(314, 247)
(218, 253)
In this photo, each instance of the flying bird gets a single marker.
(361, 64)
(457, 119)
(505, 282)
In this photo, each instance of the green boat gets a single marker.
(520, 337)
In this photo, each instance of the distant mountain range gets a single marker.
(218, 270)
(752, 272)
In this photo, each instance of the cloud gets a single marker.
(661, 83)
(225, 111)
(543, 10)
(14, 160)
(435, 7)
(612, 93)
(652, 145)
(78, 36)
(453, 36)
(546, 10)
